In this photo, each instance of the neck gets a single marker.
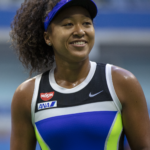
(69, 74)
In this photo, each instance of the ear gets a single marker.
(47, 38)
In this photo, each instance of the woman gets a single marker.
(78, 104)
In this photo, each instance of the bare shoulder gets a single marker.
(122, 76)
(23, 95)
(126, 84)
(122, 73)
(26, 86)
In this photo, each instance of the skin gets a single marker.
(22, 132)
(73, 61)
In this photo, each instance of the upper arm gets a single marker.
(22, 132)
(134, 108)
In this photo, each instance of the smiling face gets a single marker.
(71, 34)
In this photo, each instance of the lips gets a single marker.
(79, 43)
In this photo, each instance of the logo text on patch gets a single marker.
(46, 96)
(47, 105)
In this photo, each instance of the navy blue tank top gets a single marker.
(86, 117)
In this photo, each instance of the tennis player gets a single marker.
(74, 103)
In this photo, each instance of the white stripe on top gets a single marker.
(97, 106)
(111, 87)
(34, 97)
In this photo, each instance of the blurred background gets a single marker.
(122, 38)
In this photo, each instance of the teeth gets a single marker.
(79, 43)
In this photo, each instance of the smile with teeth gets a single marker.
(79, 43)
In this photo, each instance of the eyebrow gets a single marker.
(69, 17)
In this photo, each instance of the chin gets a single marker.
(79, 58)
(81, 54)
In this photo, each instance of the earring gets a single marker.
(49, 44)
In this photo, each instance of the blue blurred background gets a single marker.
(122, 38)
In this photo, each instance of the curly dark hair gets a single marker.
(27, 35)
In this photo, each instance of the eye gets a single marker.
(68, 24)
(87, 23)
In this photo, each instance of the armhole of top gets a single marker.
(111, 87)
(35, 95)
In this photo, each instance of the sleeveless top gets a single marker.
(86, 117)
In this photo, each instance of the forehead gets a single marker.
(72, 11)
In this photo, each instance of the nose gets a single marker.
(79, 31)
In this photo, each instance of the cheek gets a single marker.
(92, 31)
(92, 36)
(59, 38)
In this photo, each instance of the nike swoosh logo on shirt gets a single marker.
(92, 95)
